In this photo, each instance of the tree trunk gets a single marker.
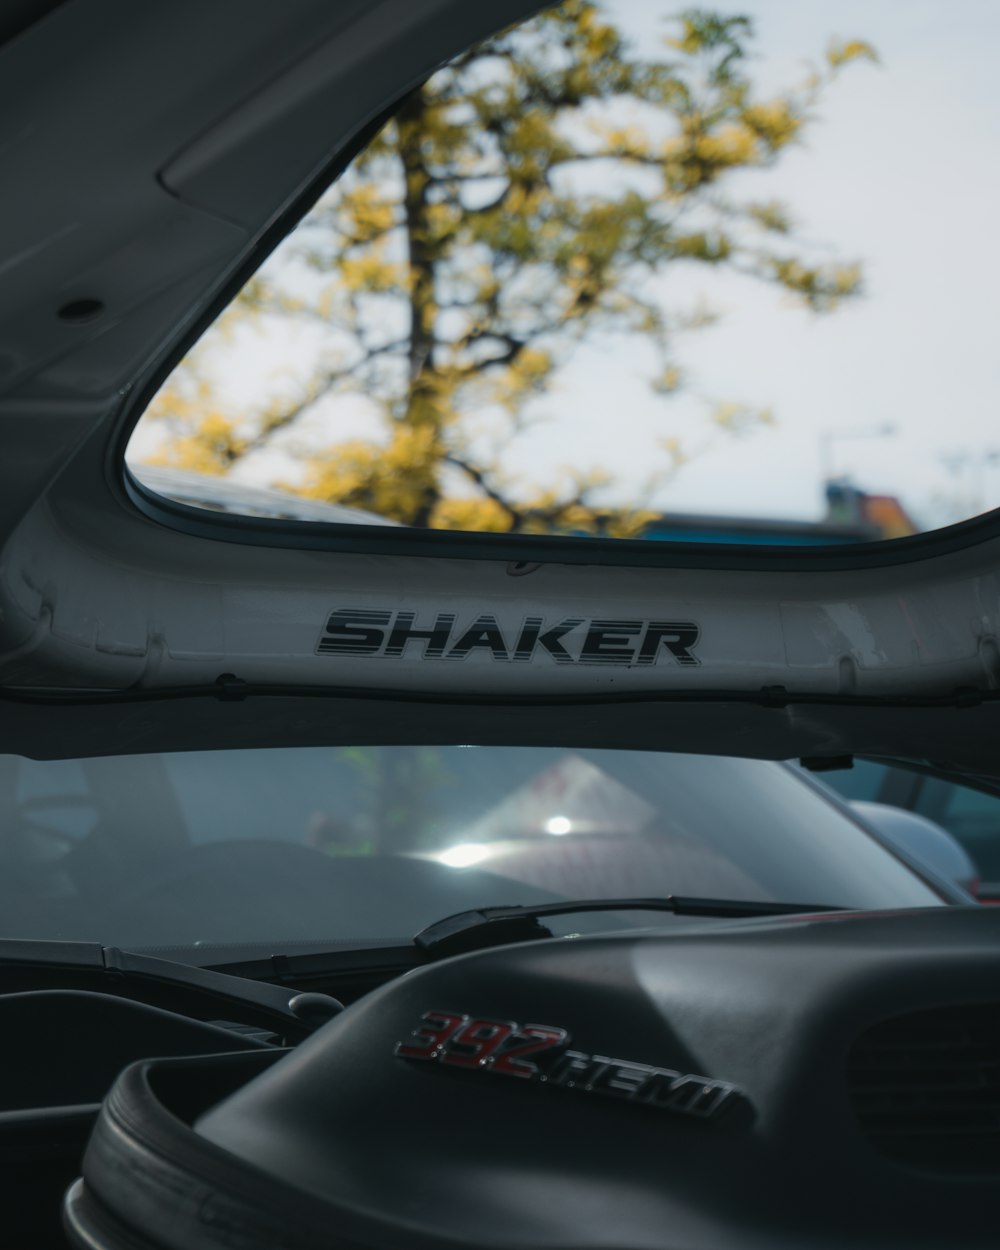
(421, 410)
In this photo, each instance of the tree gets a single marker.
(523, 198)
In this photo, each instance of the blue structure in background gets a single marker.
(852, 516)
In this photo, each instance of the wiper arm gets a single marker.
(479, 928)
(493, 926)
(181, 985)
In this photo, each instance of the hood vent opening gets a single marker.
(926, 1088)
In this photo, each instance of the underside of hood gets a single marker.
(128, 623)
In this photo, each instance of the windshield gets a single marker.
(290, 848)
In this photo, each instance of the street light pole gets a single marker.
(975, 464)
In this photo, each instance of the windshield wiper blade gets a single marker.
(494, 926)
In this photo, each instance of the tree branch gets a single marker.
(328, 382)
(478, 476)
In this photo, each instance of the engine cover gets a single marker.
(824, 1081)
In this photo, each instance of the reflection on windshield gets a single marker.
(325, 846)
(714, 231)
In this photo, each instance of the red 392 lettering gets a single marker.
(533, 1039)
(462, 1041)
(432, 1036)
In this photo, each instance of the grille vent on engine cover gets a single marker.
(926, 1088)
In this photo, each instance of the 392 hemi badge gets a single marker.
(573, 640)
(538, 1052)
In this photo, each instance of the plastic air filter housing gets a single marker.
(680, 1089)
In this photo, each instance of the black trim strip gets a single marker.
(230, 689)
(385, 540)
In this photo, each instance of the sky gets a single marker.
(901, 171)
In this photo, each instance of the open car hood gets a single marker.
(128, 623)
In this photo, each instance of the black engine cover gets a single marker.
(538, 1096)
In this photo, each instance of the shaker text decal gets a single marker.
(572, 640)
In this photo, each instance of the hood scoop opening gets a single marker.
(926, 1088)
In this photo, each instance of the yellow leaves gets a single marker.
(392, 479)
(676, 455)
(710, 246)
(795, 275)
(210, 448)
(846, 280)
(737, 419)
(822, 287)
(368, 210)
(343, 473)
(532, 365)
(690, 41)
(430, 403)
(775, 121)
(700, 155)
(628, 524)
(623, 142)
(412, 448)
(771, 215)
(842, 52)
(731, 145)
(370, 272)
(705, 32)
(595, 41)
(668, 381)
(531, 142)
(572, 517)
(601, 37)
(579, 80)
(482, 515)
(528, 373)
(171, 404)
(353, 474)
(327, 299)
(440, 220)
(521, 198)
(540, 515)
